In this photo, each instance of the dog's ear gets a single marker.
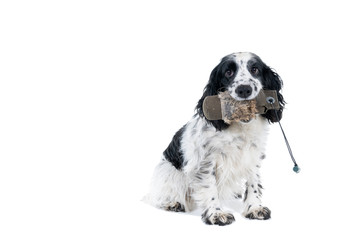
(212, 88)
(214, 83)
(272, 81)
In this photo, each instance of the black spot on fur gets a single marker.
(198, 177)
(205, 172)
(173, 152)
(245, 195)
(210, 151)
(206, 143)
(237, 196)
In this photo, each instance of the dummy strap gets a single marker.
(296, 168)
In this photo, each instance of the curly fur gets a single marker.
(208, 162)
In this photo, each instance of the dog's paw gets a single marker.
(260, 213)
(174, 207)
(217, 217)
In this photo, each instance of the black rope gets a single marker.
(296, 167)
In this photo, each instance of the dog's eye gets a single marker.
(229, 73)
(254, 70)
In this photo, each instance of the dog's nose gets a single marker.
(243, 91)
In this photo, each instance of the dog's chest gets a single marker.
(239, 156)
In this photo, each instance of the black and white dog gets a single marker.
(208, 162)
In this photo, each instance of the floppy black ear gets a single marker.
(272, 81)
(212, 88)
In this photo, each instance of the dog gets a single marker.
(210, 162)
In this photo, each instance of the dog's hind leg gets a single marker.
(168, 188)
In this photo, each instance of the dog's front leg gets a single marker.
(206, 195)
(253, 206)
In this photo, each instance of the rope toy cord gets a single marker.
(296, 168)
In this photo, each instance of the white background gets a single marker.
(92, 92)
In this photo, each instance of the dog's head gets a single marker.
(243, 75)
